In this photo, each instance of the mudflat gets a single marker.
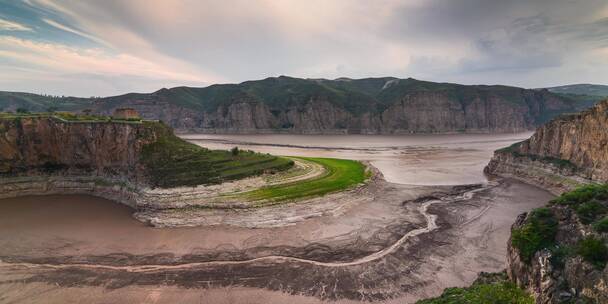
(405, 243)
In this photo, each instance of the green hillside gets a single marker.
(582, 89)
(357, 96)
(171, 161)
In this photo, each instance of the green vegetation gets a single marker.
(594, 251)
(559, 255)
(67, 117)
(558, 162)
(590, 211)
(42, 103)
(172, 161)
(498, 290)
(582, 89)
(537, 233)
(512, 148)
(583, 194)
(281, 93)
(341, 174)
(589, 203)
(601, 225)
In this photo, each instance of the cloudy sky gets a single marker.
(101, 48)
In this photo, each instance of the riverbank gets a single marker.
(214, 204)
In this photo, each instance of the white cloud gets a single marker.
(66, 28)
(515, 42)
(6, 25)
(58, 60)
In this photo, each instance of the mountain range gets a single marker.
(385, 105)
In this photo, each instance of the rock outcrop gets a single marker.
(48, 145)
(559, 253)
(568, 151)
(320, 106)
(559, 274)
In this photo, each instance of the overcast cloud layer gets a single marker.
(109, 47)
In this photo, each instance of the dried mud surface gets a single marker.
(309, 261)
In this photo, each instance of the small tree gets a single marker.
(235, 151)
(22, 110)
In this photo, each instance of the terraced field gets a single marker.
(172, 162)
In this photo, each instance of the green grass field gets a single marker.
(341, 174)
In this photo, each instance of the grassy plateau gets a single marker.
(340, 174)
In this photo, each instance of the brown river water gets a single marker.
(76, 225)
(405, 159)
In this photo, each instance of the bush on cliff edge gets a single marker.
(537, 233)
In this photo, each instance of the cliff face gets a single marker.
(30, 146)
(560, 252)
(562, 154)
(568, 270)
(142, 153)
(317, 106)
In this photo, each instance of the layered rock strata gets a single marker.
(568, 151)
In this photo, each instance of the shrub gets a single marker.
(601, 225)
(496, 293)
(22, 110)
(594, 251)
(590, 210)
(234, 151)
(559, 254)
(537, 233)
(582, 194)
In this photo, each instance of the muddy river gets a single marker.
(406, 159)
(80, 249)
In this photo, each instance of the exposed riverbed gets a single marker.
(392, 247)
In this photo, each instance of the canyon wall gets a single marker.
(568, 151)
(413, 112)
(320, 106)
(34, 146)
(568, 260)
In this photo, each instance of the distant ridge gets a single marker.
(380, 105)
(582, 89)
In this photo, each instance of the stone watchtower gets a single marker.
(125, 113)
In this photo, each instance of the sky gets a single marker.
(110, 47)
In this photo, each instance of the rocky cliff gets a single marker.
(559, 253)
(49, 145)
(141, 153)
(568, 151)
(292, 105)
